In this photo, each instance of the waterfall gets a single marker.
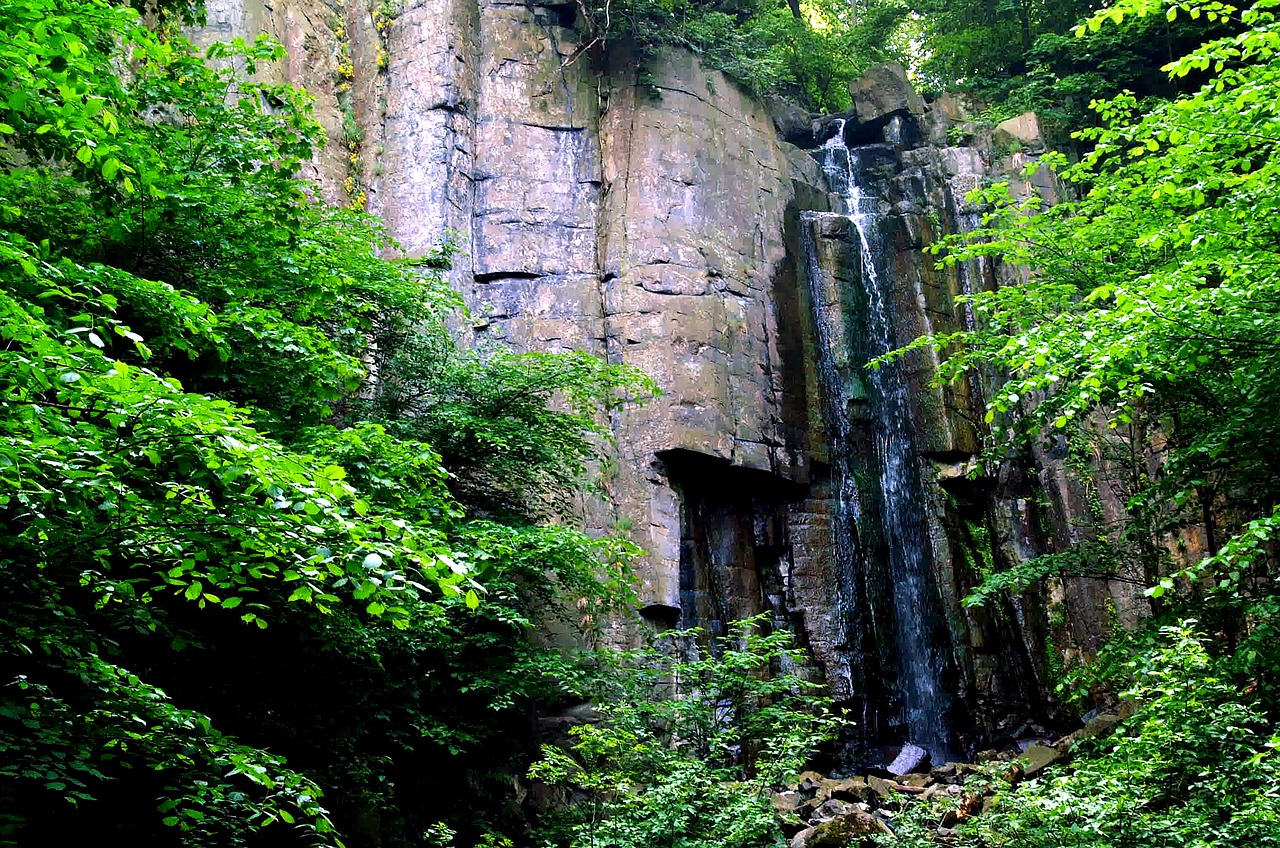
(919, 660)
(828, 314)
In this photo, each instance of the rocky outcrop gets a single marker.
(674, 226)
(848, 812)
(882, 92)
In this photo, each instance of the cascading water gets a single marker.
(920, 662)
(847, 507)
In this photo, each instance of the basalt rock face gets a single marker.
(675, 227)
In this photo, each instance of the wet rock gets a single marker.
(792, 122)
(801, 839)
(912, 758)
(1038, 758)
(882, 92)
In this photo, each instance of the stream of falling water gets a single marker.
(919, 663)
(828, 327)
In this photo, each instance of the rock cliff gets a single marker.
(673, 227)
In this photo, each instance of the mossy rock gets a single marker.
(853, 830)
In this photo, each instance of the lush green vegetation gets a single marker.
(806, 50)
(1012, 56)
(243, 580)
(274, 546)
(1024, 56)
(692, 770)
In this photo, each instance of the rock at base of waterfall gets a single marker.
(912, 758)
(808, 783)
(883, 91)
(1038, 758)
(832, 808)
(787, 801)
(854, 830)
(854, 789)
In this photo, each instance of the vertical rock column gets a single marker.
(536, 175)
(696, 191)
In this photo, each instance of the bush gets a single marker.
(687, 747)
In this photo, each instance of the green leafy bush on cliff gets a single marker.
(689, 739)
(806, 50)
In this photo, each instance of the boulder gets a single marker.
(801, 839)
(884, 91)
(787, 801)
(917, 781)
(808, 783)
(1022, 131)
(960, 161)
(911, 759)
(792, 122)
(934, 791)
(880, 786)
(886, 788)
(853, 789)
(790, 826)
(1038, 758)
(832, 808)
(855, 830)
(957, 107)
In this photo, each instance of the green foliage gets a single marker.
(1107, 559)
(689, 739)
(509, 427)
(225, 544)
(1196, 765)
(806, 50)
(1020, 55)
